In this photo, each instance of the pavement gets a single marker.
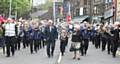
(94, 56)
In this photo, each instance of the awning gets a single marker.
(79, 19)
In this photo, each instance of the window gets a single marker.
(106, 1)
(110, 0)
(77, 12)
(85, 11)
(85, 2)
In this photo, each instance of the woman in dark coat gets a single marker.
(76, 42)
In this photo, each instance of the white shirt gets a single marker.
(10, 29)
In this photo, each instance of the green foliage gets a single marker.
(21, 6)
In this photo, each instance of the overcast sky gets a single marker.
(37, 2)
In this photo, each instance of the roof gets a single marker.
(38, 13)
(80, 19)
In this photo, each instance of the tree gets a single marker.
(19, 6)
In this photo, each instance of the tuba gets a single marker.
(63, 35)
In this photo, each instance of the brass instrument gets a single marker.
(63, 35)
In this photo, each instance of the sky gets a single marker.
(38, 2)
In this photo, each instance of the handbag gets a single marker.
(72, 47)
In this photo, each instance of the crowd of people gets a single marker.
(102, 35)
(35, 34)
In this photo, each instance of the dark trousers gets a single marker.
(62, 47)
(84, 46)
(18, 42)
(97, 42)
(66, 41)
(39, 44)
(10, 45)
(44, 43)
(2, 44)
(34, 45)
(93, 40)
(81, 49)
(25, 42)
(104, 42)
(109, 45)
(50, 47)
(114, 47)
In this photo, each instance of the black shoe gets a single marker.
(52, 54)
(13, 54)
(82, 54)
(48, 56)
(31, 52)
(108, 52)
(24, 47)
(103, 50)
(62, 54)
(8, 56)
(73, 57)
(19, 49)
(78, 58)
(114, 56)
(85, 52)
(36, 51)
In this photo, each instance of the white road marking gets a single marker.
(60, 58)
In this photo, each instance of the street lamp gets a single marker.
(10, 8)
(54, 14)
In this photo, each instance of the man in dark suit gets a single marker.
(51, 36)
(116, 36)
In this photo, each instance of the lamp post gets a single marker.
(54, 15)
(10, 8)
(91, 5)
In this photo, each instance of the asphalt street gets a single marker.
(94, 56)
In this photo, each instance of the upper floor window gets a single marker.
(85, 2)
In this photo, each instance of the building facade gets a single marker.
(89, 8)
(109, 11)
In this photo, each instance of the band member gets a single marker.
(36, 36)
(115, 33)
(42, 42)
(51, 36)
(85, 36)
(10, 34)
(93, 32)
(19, 35)
(110, 40)
(97, 37)
(26, 36)
(63, 38)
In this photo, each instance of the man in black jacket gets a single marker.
(115, 43)
(51, 36)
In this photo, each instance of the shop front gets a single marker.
(108, 16)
